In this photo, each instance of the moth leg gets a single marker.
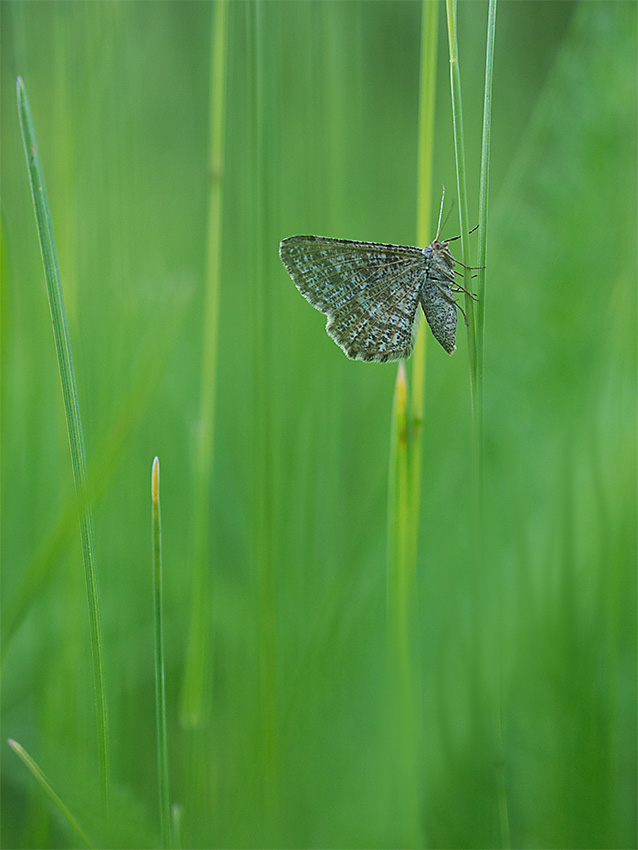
(459, 263)
(454, 238)
(458, 307)
(458, 288)
(446, 294)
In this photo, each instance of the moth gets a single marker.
(370, 291)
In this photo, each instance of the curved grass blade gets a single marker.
(39, 776)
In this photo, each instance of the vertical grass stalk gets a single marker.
(401, 622)
(503, 808)
(44, 783)
(199, 654)
(405, 481)
(427, 99)
(72, 414)
(476, 503)
(461, 182)
(399, 578)
(483, 198)
(264, 505)
(160, 687)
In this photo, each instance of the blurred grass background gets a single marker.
(529, 735)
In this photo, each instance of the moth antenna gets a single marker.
(447, 217)
(438, 229)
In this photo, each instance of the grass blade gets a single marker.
(72, 414)
(427, 100)
(484, 192)
(401, 619)
(404, 481)
(199, 653)
(501, 786)
(39, 776)
(461, 180)
(160, 688)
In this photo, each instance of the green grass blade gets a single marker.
(264, 403)
(398, 501)
(160, 687)
(72, 413)
(461, 180)
(484, 193)
(198, 662)
(427, 101)
(39, 776)
(501, 788)
(404, 482)
(401, 619)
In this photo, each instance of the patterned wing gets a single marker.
(369, 291)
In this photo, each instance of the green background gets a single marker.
(529, 734)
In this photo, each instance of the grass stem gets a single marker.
(72, 414)
(461, 181)
(199, 655)
(484, 193)
(401, 618)
(405, 477)
(501, 788)
(160, 685)
(39, 776)
(427, 90)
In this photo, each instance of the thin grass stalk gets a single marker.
(398, 515)
(501, 785)
(404, 482)
(427, 101)
(160, 684)
(476, 516)
(44, 783)
(264, 494)
(199, 655)
(401, 618)
(461, 181)
(72, 414)
(483, 197)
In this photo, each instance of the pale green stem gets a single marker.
(461, 180)
(503, 807)
(160, 687)
(199, 655)
(46, 786)
(427, 100)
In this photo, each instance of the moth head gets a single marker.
(441, 250)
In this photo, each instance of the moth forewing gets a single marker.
(370, 292)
